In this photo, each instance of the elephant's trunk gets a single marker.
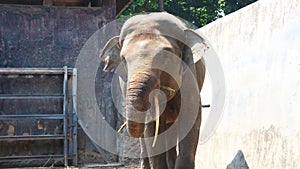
(139, 88)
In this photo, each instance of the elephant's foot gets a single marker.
(158, 161)
(187, 162)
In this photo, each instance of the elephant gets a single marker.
(146, 40)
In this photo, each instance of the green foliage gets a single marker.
(233, 5)
(140, 6)
(198, 12)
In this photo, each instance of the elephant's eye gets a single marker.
(123, 60)
(167, 49)
(122, 57)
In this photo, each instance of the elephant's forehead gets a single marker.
(144, 44)
(163, 23)
(147, 41)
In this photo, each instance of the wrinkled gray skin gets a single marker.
(143, 39)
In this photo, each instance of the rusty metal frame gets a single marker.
(38, 116)
(14, 158)
(6, 96)
(65, 115)
(34, 71)
(69, 131)
(74, 116)
(32, 137)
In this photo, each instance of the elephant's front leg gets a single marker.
(188, 146)
(171, 157)
(171, 154)
(157, 161)
(144, 155)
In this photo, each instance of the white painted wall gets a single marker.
(259, 48)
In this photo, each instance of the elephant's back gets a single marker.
(158, 22)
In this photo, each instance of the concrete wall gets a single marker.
(37, 36)
(258, 47)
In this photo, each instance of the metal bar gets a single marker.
(15, 158)
(24, 95)
(27, 71)
(30, 97)
(104, 165)
(74, 116)
(36, 116)
(32, 137)
(65, 114)
(206, 106)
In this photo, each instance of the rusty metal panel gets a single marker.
(41, 126)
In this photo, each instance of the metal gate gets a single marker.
(57, 124)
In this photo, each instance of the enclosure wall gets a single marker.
(258, 47)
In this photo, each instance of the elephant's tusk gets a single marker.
(122, 127)
(157, 120)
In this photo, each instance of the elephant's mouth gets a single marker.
(171, 92)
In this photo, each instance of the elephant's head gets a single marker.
(145, 41)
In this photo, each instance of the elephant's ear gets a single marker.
(196, 47)
(110, 54)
